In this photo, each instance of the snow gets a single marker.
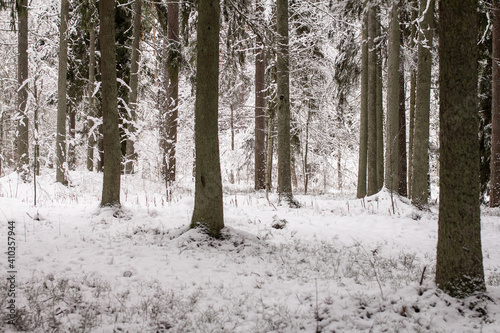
(337, 264)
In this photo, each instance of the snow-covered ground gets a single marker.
(337, 264)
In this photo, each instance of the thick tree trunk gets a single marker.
(393, 100)
(420, 189)
(110, 118)
(173, 64)
(459, 267)
(283, 79)
(131, 156)
(495, 111)
(91, 112)
(372, 104)
(363, 130)
(260, 114)
(23, 157)
(62, 104)
(208, 205)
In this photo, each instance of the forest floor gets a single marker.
(337, 264)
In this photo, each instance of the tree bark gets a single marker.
(208, 206)
(402, 161)
(372, 102)
(131, 156)
(173, 64)
(420, 192)
(393, 100)
(260, 114)
(62, 104)
(283, 79)
(459, 267)
(271, 112)
(110, 118)
(92, 112)
(495, 111)
(23, 157)
(363, 130)
(380, 108)
(413, 89)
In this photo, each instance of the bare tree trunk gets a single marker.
(36, 158)
(131, 156)
(23, 157)
(270, 146)
(495, 111)
(372, 102)
(91, 112)
(208, 206)
(363, 130)
(173, 64)
(380, 109)
(402, 162)
(283, 78)
(260, 115)
(393, 100)
(420, 188)
(72, 138)
(110, 118)
(413, 89)
(459, 264)
(62, 103)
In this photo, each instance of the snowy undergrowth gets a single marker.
(334, 265)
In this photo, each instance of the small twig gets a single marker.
(423, 274)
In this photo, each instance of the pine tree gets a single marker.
(260, 114)
(459, 267)
(173, 65)
(393, 101)
(372, 185)
(363, 131)
(495, 112)
(23, 157)
(131, 156)
(283, 79)
(62, 104)
(420, 157)
(208, 206)
(110, 118)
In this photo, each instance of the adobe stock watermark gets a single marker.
(11, 273)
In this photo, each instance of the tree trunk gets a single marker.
(380, 109)
(62, 104)
(413, 89)
(363, 130)
(72, 138)
(173, 64)
(459, 267)
(420, 191)
(372, 102)
(23, 157)
(402, 158)
(208, 206)
(260, 103)
(110, 118)
(131, 156)
(393, 100)
(495, 111)
(270, 145)
(283, 79)
(92, 112)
